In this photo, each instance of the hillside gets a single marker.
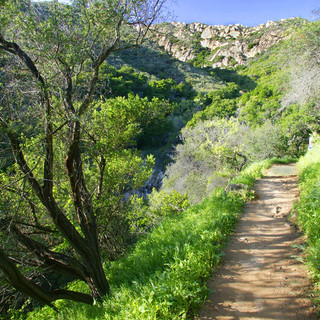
(222, 46)
(173, 44)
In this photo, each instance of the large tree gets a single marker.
(50, 57)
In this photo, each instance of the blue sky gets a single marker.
(246, 12)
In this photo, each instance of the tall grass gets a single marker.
(163, 277)
(308, 208)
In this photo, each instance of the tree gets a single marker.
(51, 55)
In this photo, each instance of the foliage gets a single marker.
(169, 88)
(244, 82)
(221, 103)
(121, 82)
(252, 45)
(159, 65)
(265, 142)
(209, 151)
(146, 214)
(202, 54)
(304, 49)
(292, 108)
(298, 122)
(218, 58)
(164, 203)
(259, 105)
(308, 208)
(126, 80)
(212, 151)
(162, 278)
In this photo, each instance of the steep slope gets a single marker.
(156, 64)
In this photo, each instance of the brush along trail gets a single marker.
(261, 276)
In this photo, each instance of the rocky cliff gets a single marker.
(221, 46)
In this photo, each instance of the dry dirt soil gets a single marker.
(261, 276)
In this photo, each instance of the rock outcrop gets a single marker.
(225, 45)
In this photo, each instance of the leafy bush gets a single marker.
(218, 58)
(232, 61)
(265, 141)
(201, 59)
(259, 105)
(297, 122)
(221, 103)
(207, 148)
(244, 82)
(252, 45)
(212, 151)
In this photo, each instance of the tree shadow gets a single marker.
(244, 82)
(152, 60)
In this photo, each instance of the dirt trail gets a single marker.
(260, 277)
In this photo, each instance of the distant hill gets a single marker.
(222, 46)
(187, 53)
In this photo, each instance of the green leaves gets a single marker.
(222, 103)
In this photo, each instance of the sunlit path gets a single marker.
(261, 277)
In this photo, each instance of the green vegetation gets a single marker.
(149, 59)
(163, 277)
(220, 103)
(307, 210)
(201, 53)
(61, 201)
(252, 45)
(127, 80)
(218, 58)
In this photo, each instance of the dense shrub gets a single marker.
(205, 158)
(221, 103)
(265, 141)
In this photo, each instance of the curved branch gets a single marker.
(68, 76)
(13, 48)
(26, 286)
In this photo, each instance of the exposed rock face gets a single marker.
(229, 45)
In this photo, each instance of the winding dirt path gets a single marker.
(261, 277)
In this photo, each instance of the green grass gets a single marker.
(308, 210)
(164, 276)
(255, 170)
